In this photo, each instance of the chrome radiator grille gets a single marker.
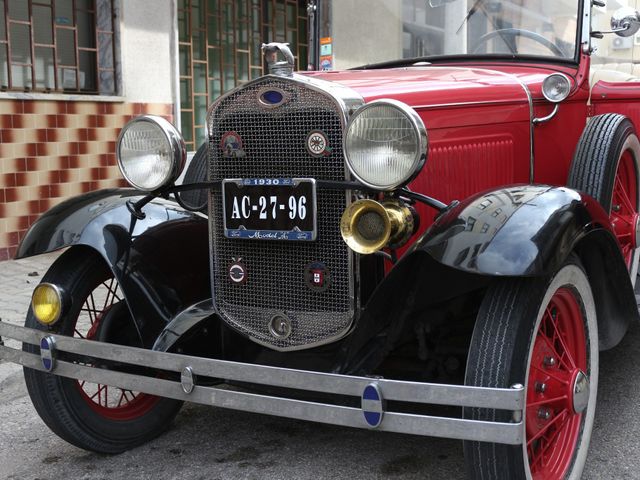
(274, 145)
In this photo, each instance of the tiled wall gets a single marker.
(52, 150)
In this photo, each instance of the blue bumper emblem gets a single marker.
(47, 353)
(372, 405)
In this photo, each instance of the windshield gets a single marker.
(395, 29)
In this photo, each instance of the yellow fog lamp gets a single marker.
(47, 303)
(368, 226)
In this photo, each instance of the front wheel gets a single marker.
(542, 333)
(92, 416)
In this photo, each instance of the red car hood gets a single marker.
(432, 86)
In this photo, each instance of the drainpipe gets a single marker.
(312, 22)
(175, 66)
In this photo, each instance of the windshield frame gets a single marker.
(582, 46)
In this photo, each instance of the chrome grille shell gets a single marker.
(274, 145)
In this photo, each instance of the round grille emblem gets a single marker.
(280, 326)
(231, 145)
(318, 144)
(238, 272)
(317, 276)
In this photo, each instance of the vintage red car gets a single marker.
(363, 247)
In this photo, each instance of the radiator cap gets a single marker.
(282, 68)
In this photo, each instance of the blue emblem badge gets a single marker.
(47, 351)
(372, 405)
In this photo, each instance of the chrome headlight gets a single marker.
(151, 153)
(385, 144)
(556, 87)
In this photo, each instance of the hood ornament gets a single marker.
(283, 68)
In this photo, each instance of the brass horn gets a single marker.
(367, 226)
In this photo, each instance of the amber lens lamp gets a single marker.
(46, 303)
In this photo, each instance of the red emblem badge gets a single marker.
(317, 276)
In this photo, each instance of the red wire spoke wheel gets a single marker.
(606, 166)
(541, 333)
(110, 402)
(92, 416)
(624, 208)
(558, 362)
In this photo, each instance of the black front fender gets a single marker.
(161, 262)
(531, 230)
(514, 231)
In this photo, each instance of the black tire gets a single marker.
(508, 347)
(606, 141)
(197, 172)
(64, 404)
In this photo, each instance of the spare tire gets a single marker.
(197, 172)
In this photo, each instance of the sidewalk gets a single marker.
(18, 278)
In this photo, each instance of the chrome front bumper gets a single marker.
(372, 392)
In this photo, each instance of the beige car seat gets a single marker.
(614, 72)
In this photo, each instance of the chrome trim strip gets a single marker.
(539, 120)
(507, 433)
(404, 391)
(491, 103)
(585, 37)
(474, 430)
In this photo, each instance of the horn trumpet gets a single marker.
(367, 226)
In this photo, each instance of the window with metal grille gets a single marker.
(57, 46)
(220, 49)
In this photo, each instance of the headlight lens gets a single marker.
(556, 87)
(151, 152)
(385, 144)
(46, 303)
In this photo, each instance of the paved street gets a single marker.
(210, 443)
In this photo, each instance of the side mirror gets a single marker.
(625, 21)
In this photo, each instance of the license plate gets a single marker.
(270, 208)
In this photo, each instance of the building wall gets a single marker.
(53, 150)
(56, 146)
(146, 45)
(364, 31)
